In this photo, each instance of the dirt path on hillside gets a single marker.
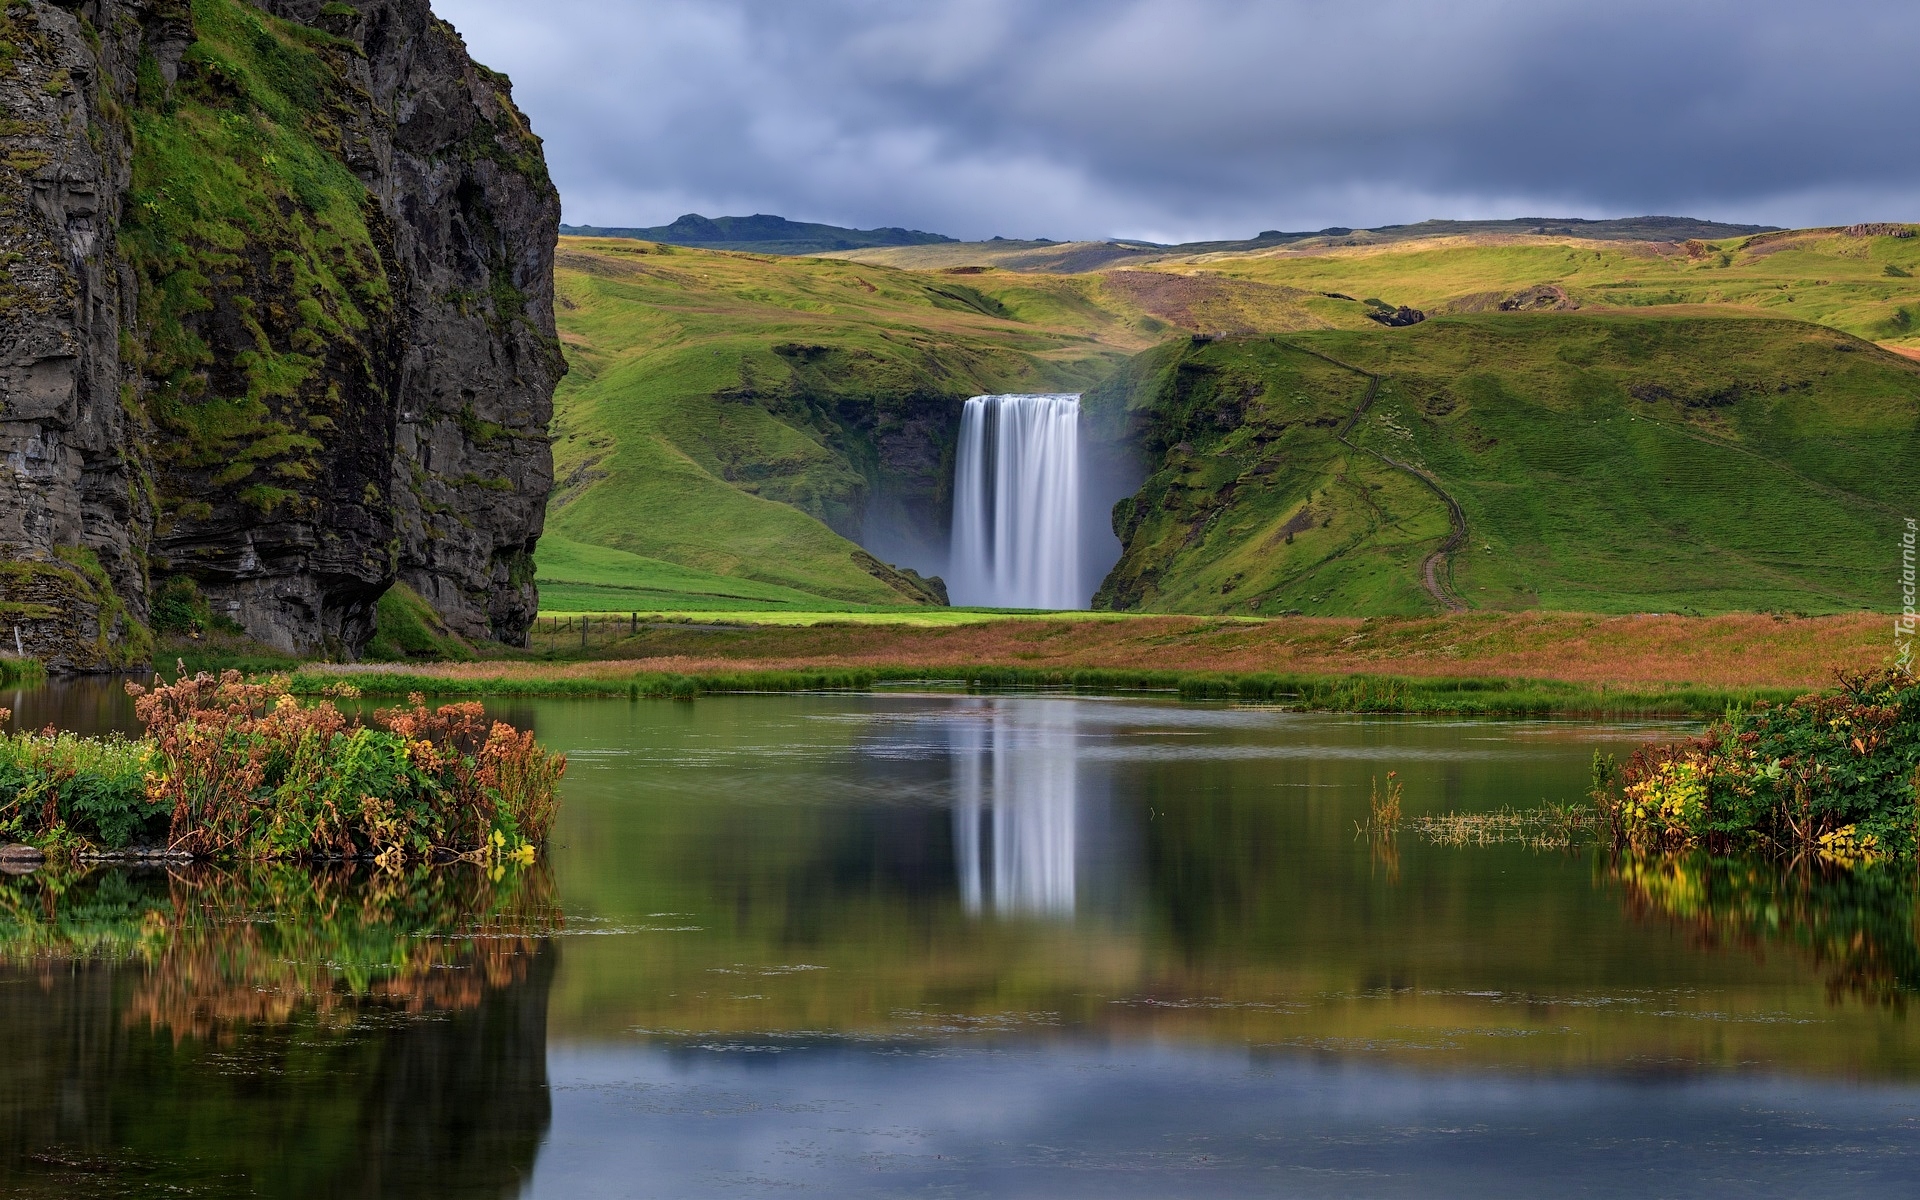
(1436, 572)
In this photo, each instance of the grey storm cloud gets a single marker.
(1178, 119)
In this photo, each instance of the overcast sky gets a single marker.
(1185, 119)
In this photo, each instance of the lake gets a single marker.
(961, 945)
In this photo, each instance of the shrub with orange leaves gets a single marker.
(245, 770)
(492, 778)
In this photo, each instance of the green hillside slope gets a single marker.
(1606, 463)
(575, 577)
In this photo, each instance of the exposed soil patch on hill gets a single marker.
(1212, 303)
(1299, 522)
(1545, 296)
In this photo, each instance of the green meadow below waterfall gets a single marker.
(580, 577)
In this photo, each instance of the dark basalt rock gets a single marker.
(1397, 318)
(418, 432)
(74, 520)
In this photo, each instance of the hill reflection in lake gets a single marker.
(273, 1032)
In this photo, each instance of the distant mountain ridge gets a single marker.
(1048, 257)
(1612, 229)
(767, 234)
(764, 234)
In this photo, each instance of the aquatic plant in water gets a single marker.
(232, 769)
(1384, 809)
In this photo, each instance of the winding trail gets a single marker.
(1436, 572)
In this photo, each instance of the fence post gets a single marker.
(583, 632)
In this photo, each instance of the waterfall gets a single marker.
(1016, 504)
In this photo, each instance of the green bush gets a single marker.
(179, 608)
(1833, 775)
(69, 782)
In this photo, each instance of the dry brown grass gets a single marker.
(1552, 828)
(1730, 652)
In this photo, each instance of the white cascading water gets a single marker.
(1016, 504)
(1016, 814)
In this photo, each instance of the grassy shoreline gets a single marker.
(1385, 694)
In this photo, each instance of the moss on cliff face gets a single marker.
(264, 298)
(72, 598)
(72, 537)
(276, 316)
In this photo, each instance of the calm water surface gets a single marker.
(943, 945)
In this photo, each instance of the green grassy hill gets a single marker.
(1862, 282)
(1604, 463)
(736, 423)
(741, 416)
(577, 577)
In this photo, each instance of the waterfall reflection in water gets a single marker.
(1015, 778)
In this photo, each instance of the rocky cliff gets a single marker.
(276, 328)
